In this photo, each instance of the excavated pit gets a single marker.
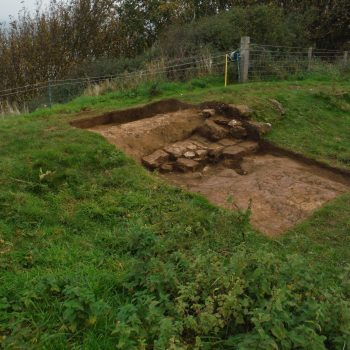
(215, 150)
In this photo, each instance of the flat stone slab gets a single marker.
(186, 165)
(189, 154)
(229, 142)
(178, 149)
(213, 131)
(257, 129)
(202, 153)
(215, 150)
(167, 167)
(249, 146)
(155, 159)
(233, 152)
(242, 110)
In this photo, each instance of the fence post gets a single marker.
(345, 58)
(50, 93)
(226, 68)
(309, 58)
(244, 51)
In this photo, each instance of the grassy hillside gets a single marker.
(96, 253)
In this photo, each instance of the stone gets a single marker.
(155, 159)
(207, 113)
(215, 150)
(233, 123)
(228, 142)
(237, 129)
(189, 154)
(213, 131)
(200, 145)
(192, 147)
(186, 165)
(257, 129)
(278, 106)
(166, 168)
(174, 151)
(201, 153)
(233, 152)
(249, 146)
(244, 111)
(221, 121)
(177, 149)
(241, 110)
(206, 169)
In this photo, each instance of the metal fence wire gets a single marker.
(279, 62)
(263, 62)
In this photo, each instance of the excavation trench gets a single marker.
(213, 149)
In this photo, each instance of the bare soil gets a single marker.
(142, 137)
(284, 189)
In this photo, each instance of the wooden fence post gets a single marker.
(345, 58)
(226, 69)
(309, 58)
(244, 50)
(50, 93)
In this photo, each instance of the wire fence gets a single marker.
(283, 62)
(29, 97)
(265, 62)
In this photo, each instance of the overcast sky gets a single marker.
(11, 7)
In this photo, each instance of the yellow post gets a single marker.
(226, 66)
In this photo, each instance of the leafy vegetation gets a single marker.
(75, 38)
(96, 253)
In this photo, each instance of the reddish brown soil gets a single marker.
(284, 190)
(142, 137)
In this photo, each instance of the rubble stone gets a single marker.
(167, 167)
(221, 121)
(242, 110)
(186, 165)
(233, 123)
(206, 169)
(213, 131)
(189, 154)
(207, 113)
(191, 147)
(200, 145)
(249, 146)
(215, 150)
(278, 106)
(228, 142)
(177, 149)
(201, 153)
(155, 159)
(257, 129)
(237, 129)
(174, 151)
(233, 152)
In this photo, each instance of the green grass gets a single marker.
(316, 122)
(96, 253)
